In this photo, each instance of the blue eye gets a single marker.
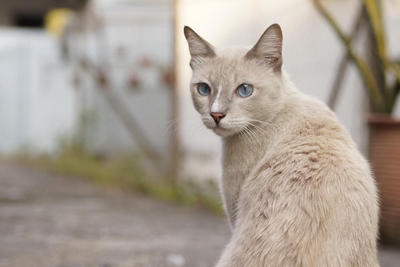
(244, 90)
(203, 89)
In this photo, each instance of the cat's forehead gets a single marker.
(232, 52)
(226, 65)
(229, 57)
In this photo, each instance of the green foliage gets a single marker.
(125, 173)
(382, 95)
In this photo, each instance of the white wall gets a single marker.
(139, 29)
(311, 55)
(37, 104)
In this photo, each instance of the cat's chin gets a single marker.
(224, 132)
(221, 130)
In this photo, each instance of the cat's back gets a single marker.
(314, 139)
(316, 188)
(308, 120)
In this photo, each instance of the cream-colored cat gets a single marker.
(296, 190)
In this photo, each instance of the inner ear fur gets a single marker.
(268, 49)
(199, 48)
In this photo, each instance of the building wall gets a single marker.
(311, 55)
(136, 44)
(41, 103)
(37, 103)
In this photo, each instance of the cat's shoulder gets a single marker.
(312, 119)
(312, 137)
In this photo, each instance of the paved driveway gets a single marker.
(52, 220)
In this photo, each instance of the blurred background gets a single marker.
(99, 90)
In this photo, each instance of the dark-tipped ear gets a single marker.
(268, 48)
(199, 48)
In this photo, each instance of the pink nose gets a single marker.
(217, 116)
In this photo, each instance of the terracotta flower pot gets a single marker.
(384, 153)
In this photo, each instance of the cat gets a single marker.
(296, 190)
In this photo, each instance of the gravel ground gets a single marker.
(52, 220)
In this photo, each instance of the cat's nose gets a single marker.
(217, 116)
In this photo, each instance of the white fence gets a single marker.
(40, 103)
(37, 105)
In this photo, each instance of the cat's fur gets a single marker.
(296, 190)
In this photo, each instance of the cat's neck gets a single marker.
(249, 144)
(241, 153)
(251, 138)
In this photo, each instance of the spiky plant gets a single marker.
(379, 74)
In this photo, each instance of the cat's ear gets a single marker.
(199, 48)
(268, 48)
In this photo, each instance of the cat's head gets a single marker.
(234, 89)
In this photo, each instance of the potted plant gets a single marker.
(381, 79)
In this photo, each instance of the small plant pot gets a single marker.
(384, 154)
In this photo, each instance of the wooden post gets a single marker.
(174, 96)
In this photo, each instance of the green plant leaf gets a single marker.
(376, 98)
(396, 69)
(375, 18)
